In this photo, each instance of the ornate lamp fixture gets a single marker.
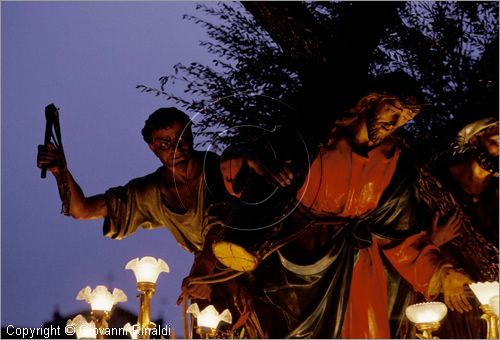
(101, 302)
(146, 271)
(486, 292)
(83, 328)
(208, 320)
(426, 317)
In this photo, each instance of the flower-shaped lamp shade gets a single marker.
(209, 317)
(427, 312)
(147, 269)
(494, 304)
(484, 291)
(83, 328)
(100, 298)
(133, 330)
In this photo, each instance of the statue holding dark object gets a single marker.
(176, 196)
(463, 180)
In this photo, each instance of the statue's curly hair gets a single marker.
(163, 118)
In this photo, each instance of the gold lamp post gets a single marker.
(101, 302)
(146, 271)
(208, 320)
(83, 328)
(485, 292)
(426, 317)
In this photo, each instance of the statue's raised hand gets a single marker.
(51, 158)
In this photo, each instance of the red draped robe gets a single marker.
(342, 183)
(345, 184)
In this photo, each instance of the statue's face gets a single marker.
(489, 141)
(487, 149)
(173, 145)
(387, 116)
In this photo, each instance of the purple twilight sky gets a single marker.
(87, 58)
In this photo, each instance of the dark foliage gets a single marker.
(451, 48)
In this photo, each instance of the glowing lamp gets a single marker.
(133, 330)
(426, 317)
(485, 292)
(101, 302)
(83, 328)
(426, 312)
(101, 299)
(209, 319)
(147, 269)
